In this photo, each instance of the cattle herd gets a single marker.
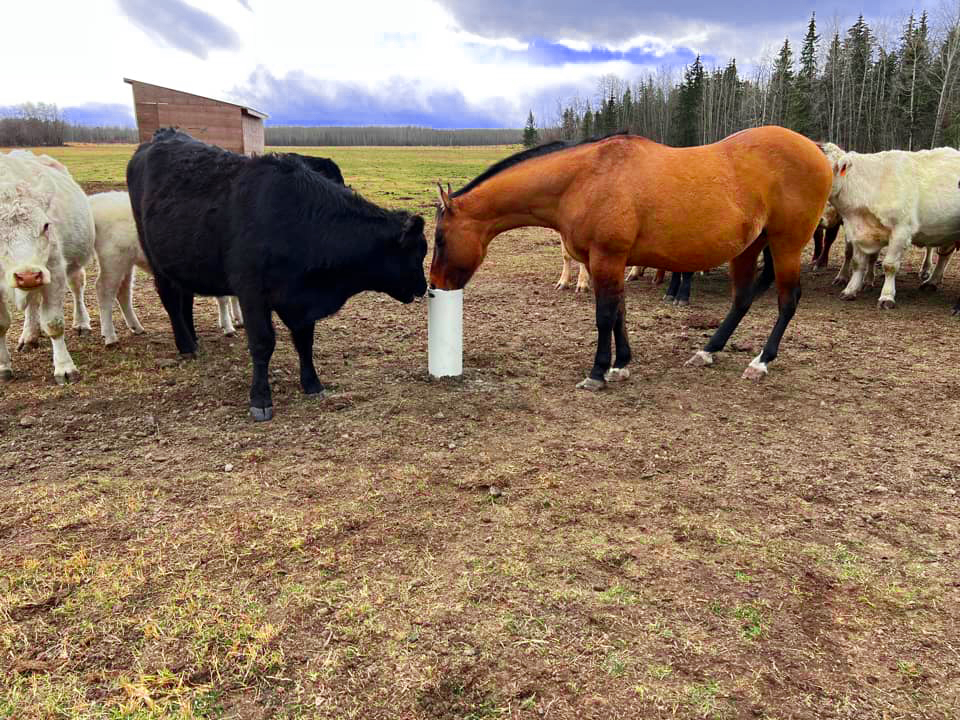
(282, 234)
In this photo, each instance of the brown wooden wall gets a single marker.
(205, 119)
(253, 135)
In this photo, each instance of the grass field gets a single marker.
(685, 545)
(396, 176)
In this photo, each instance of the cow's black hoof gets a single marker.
(681, 303)
(316, 388)
(6, 375)
(188, 356)
(261, 414)
(668, 298)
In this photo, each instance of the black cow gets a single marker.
(325, 166)
(280, 237)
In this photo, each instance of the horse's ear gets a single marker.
(445, 197)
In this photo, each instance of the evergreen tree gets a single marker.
(781, 85)
(804, 101)
(588, 124)
(530, 135)
(690, 105)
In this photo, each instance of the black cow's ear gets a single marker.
(412, 229)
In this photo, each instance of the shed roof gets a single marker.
(247, 110)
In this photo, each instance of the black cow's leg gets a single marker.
(303, 342)
(683, 294)
(261, 339)
(671, 295)
(188, 314)
(172, 299)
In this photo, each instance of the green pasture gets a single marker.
(402, 177)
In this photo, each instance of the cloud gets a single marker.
(299, 99)
(100, 114)
(181, 26)
(613, 22)
(544, 53)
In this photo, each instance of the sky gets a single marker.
(438, 63)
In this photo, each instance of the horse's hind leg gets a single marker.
(788, 292)
(745, 289)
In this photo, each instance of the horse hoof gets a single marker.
(886, 304)
(68, 376)
(700, 359)
(6, 376)
(848, 296)
(261, 414)
(591, 384)
(755, 372)
(616, 375)
(928, 287)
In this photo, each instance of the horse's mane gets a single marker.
(517, 158)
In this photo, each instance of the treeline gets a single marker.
(406, 135)
(43, 124)
(861, 89)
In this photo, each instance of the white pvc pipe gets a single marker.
(445, 332)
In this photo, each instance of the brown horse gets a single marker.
(625, 200)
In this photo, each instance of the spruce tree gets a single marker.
(530, 135)
(690, 105)
(781, 85)
(802, 115)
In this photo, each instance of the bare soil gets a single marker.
(686, 544)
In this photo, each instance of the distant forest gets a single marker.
(865, 88)
(281, 135)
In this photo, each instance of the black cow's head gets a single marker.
(404, 262)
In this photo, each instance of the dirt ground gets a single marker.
(684, 545)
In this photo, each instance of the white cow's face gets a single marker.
(26, 238)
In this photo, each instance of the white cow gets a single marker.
(118, 252)
(46, 239)
(891, 198)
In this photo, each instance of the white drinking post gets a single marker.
(445, 333)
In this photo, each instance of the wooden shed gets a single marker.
(230, 126)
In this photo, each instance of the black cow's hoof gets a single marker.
(317, 388)
(669, 298)
(261, 414)
(681, 303)
(6, 375)
(188, 356)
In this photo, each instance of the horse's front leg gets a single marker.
(607, 276)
